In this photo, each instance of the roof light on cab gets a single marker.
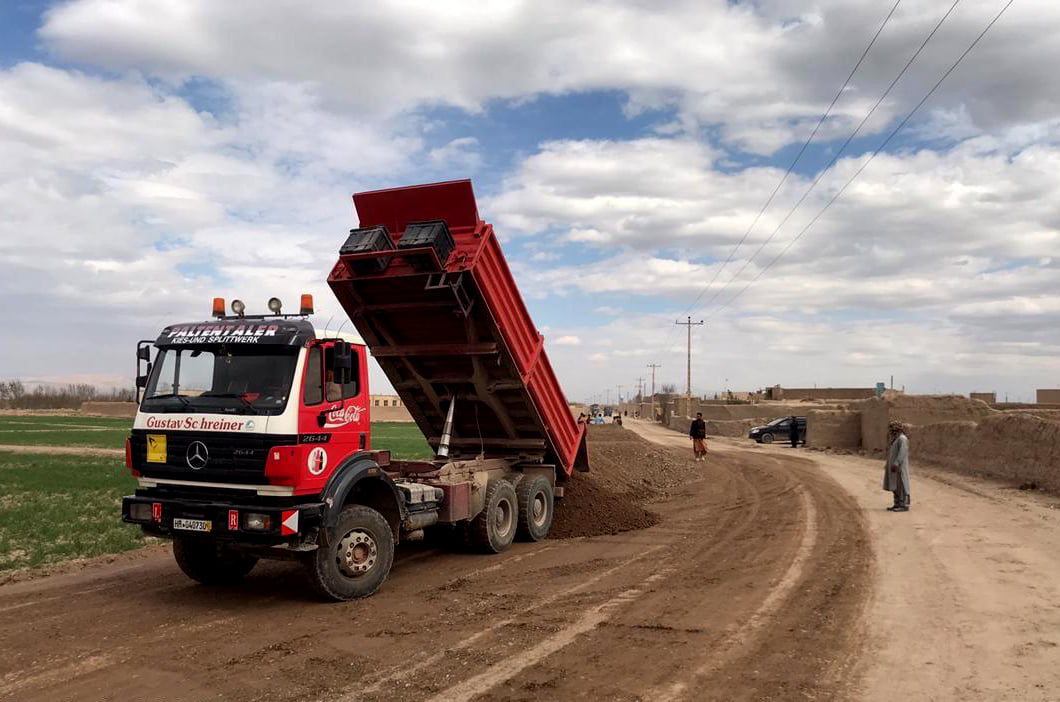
(275, 305)
(307, 304)
(218, 307)
(238, 308)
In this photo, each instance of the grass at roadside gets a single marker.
(53, 508)
(403, 439)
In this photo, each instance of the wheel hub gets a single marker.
(540, 509)
(503, 518)
(356, 553)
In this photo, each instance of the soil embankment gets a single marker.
(626, 475)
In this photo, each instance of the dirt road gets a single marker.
(965, 597)
(769, 573)
(751, 585)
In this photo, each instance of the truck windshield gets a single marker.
(236, 380)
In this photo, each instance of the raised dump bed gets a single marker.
(443, 317)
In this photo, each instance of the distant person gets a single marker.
(581, 419)
(896, 470)
(793, 432)
(698, 433)
(617, 420)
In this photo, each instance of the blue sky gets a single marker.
(163, 152)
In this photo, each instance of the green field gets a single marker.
(58, 507)
(55, 430)
(53, 508)
(403, 439)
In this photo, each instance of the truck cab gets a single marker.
(247, 427)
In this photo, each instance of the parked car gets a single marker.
(778, 430)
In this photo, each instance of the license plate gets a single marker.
(192, 524)
(156, 448)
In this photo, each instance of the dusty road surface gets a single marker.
(965, 597)
(750, 584)
(764, 573)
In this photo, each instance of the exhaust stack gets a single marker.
(447, 430)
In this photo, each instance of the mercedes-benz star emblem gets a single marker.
(197, 455)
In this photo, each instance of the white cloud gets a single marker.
(764, 71)
(459, 154)
(568, 340)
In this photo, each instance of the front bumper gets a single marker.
(288, 524)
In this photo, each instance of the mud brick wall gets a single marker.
(109, 409)
(1017, 448)
(833, 429)
(790, 394)
(1047, 396)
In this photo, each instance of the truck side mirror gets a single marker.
(143, 353)
(343, 362)
(141, 380)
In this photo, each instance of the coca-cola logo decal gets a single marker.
(341, 416)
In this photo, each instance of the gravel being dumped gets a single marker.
(626, 473)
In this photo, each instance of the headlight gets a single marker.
(256, 522)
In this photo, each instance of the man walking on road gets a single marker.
(793, 431)
(896, 471)
(698, 433)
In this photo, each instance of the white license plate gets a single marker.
(192, 524)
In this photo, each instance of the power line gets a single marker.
(791, 167)
(798, 156)
(870, 158)
(838, 153)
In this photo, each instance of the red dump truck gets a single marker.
(253, 436)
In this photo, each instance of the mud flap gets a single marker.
(581, 459)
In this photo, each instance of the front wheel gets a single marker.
(535, 500)
(207, 562)
(766, 438)
(355, 558)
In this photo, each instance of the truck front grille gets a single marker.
(229, 458)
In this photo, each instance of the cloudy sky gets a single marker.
(155, 153)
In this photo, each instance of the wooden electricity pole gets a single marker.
(653, 366)
(689, 324)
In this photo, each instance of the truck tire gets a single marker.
(766, 438)
(355, 558)
(534, 497)
(493, 529)
(205, 561)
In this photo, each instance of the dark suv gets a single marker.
(778, 430)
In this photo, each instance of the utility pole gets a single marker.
(689, 324)
(620, 394)
(653, 366)
(640, 389)
(608, 397)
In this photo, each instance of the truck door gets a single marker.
(334, 420)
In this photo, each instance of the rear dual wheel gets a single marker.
(494, 528)
(536, 502)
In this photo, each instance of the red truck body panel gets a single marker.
(462, 331)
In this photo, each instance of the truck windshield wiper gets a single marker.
(165, 396)
(230, 395)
